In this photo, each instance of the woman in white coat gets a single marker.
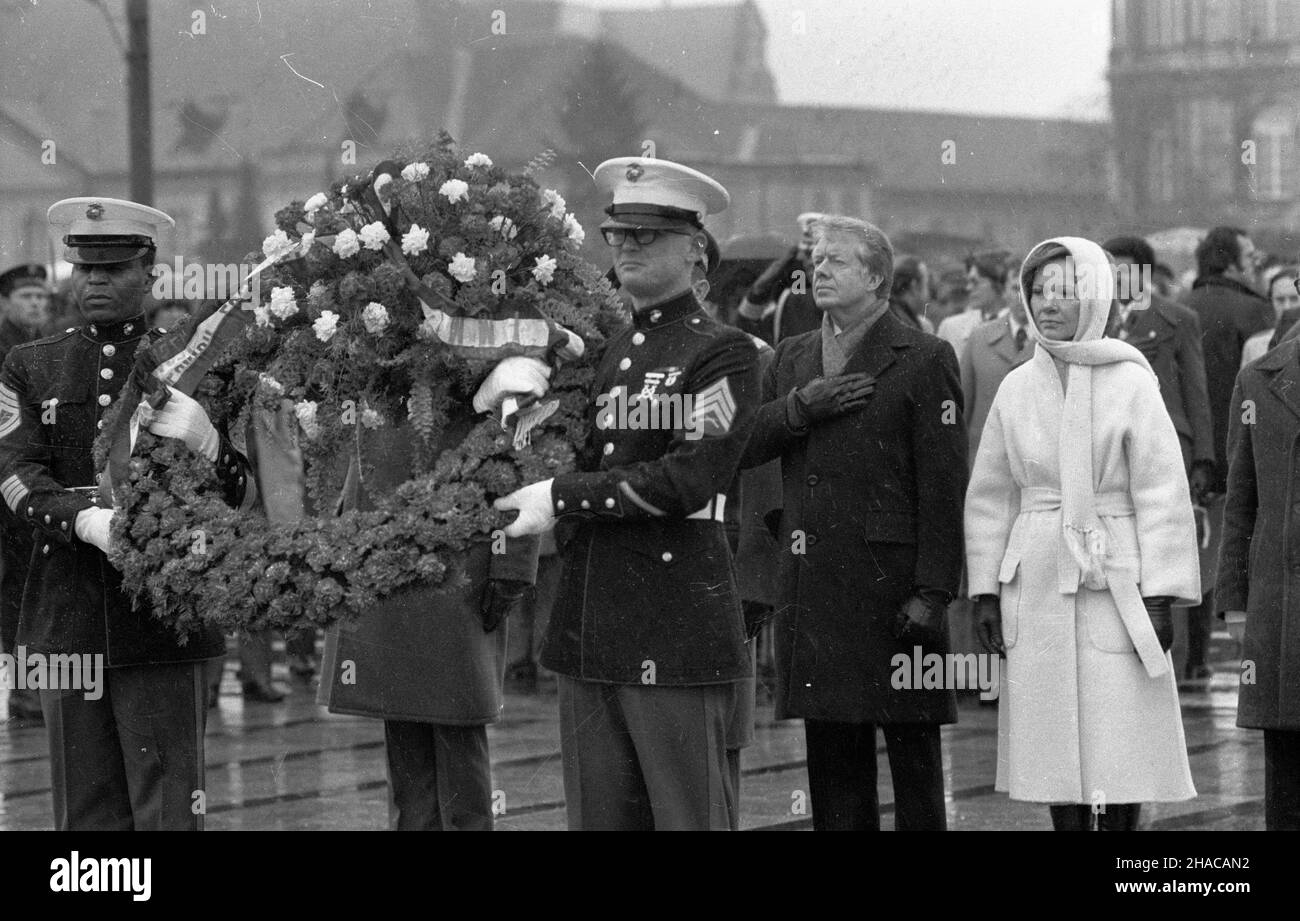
(1079, 536)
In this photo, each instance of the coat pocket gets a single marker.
(1106, 630)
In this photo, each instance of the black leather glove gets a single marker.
(1162, 619)
(988, 624)
(1201, 481)
(920, 620)
(499, 598)
(826, 397)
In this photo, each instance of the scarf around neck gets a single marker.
(1083, 533)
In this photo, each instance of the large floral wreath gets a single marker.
(359, 333)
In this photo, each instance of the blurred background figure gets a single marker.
(986, 274)
(24, 317)
(170, 314)
(1282, 294)
(1166, 284)
(1230, 311)
(911, 293)
(1169, 336)
(779, 303)
(950, 292)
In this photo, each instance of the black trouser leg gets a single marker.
(842, 775)
(439, 777)
(1119, 817)
(1281, 780)
(1071, 817)
(134, 757)
(916, 766)
(1199, 620)
(15, 552)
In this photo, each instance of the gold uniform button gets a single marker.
(609, 447)
(586, 504)
(638, 338)
(560, 505)
(110, 350)
(625, 364)
(63, 525)
(47, 519)
(667, 557)
(609, 503)
(106, 374)
(99, 424)
(46, 549)
(105, 399)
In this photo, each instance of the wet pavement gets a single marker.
(293, 766)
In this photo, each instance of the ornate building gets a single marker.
(1205, 98)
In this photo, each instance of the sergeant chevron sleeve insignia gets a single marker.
(13, 491)
(9, 417)
(714, 409)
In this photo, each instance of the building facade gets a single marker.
(1205, 99)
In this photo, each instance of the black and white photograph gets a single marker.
(651, 415)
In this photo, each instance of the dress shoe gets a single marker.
(261, 693)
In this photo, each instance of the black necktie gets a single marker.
(1021, 336)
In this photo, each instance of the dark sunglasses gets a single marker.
(644, 236)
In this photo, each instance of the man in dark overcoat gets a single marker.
(1258, 587)
(866, 416)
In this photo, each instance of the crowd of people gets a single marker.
(1076, 464)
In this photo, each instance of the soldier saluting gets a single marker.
(647, 634)
(133, 757)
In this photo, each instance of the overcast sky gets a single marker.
(1013, 57)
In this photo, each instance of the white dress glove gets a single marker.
(182, 417)
(514, 376)
(535, 506)
(91, 526)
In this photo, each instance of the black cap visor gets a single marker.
(98, 250)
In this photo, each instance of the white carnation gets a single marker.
(574, 229)
(478, 159)
(374, 235)
(307, 240)
(326, 325)
(555, 201)
(375, 317)
(544, 271)
(315, 203)
(462, 268)
(262, 316)
(305, 410)
(346, 243)
(415, 240)
(371, 418)
(504, 226)
(276, 244)
(413, 172)
(283, 304)
(455, 190)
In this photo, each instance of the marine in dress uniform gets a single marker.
(24, 309)
(133, 757)
(647, 633)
